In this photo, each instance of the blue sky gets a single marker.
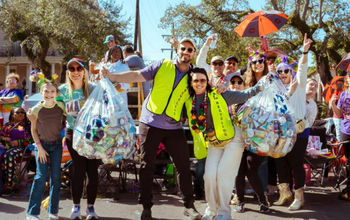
(150, 13)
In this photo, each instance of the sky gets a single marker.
(151, 35)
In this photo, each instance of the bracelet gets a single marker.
(38, 143)
(306, 52)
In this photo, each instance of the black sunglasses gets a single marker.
(286, 71)
(190, 50)
(199, 80)
(20, 112)
(73, 69)
(237, 82)
(217, 63)
(257, 61)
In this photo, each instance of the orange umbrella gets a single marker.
(344, 64)
(261, 23)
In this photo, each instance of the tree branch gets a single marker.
(274, 5)
(320, 22)
(306, 7)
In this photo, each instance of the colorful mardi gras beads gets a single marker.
(199, 123)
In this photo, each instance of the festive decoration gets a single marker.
(289, 61)
(255, 53)
(39, 78)
(199, 123)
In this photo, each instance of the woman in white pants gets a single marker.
(209, 116)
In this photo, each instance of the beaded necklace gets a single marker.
(199, 123)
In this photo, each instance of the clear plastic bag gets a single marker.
(104, 128)
(268, 124)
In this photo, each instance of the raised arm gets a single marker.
(303, 63)
(126, 77)
(202, 55)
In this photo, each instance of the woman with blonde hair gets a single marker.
(74, 94)
(10, 97)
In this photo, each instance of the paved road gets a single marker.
(321, 203)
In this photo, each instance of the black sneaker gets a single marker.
(192, 213)
(239, 207)
(264, 208)
(146, 214)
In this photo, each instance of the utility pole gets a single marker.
(137, 22)
(171, 48)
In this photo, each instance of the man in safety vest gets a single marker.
(160, 122)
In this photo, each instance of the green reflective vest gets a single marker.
(199, 144)
(163, 97)
(224, 129)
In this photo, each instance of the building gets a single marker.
(13, 59)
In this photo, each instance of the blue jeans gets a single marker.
(54, 149)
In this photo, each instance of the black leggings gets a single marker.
(293, 161)
(249, 166)
(346, 147)
(81, 167)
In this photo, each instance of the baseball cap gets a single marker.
(232, 58)
(190, 41)
(217, 58)
(77, 60)
(108, 39)
(236, 74)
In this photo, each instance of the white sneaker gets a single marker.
(90, 213)
(53, 216)
(32, 217)
(75, 212)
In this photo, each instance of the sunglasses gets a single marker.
(190, 50)
(73, 69)
(231, 63)
(237, 82)
(286, 71)
(20, 113)
(217, 64)
(199, 81)
(257, 61)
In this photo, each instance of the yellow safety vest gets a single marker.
(163, 97)
(199, 144)
(224, 129)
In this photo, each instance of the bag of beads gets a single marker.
(268, 124)
(104, 128)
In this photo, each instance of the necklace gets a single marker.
(199, 123)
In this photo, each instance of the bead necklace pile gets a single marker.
(199, 123)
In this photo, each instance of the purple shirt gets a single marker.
(344, 104)
(149, 118)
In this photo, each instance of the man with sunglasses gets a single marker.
(216, 67)
(231, 65)
(160, 122)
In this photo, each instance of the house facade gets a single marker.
(14, 60)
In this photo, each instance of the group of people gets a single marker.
(208, 96)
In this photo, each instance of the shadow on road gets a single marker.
(11, 209)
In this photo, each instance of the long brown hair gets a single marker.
(70, 85)
(250, 78)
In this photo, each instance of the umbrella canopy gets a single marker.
(261, 23)
(336, 86)
(344, 64)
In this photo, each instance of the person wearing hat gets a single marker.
(236, 82)
(73, 94)
(231, 65)
(160, 122)
(111, 42)
(216, 67)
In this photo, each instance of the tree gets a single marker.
(327, 23)
(70, 27)
(211, 16)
